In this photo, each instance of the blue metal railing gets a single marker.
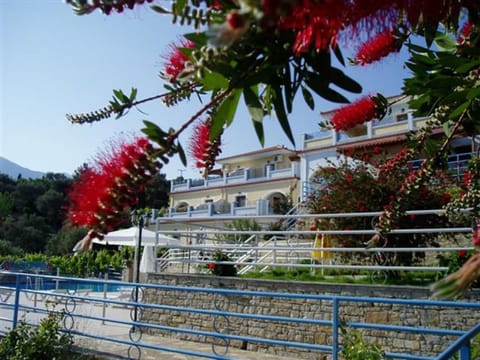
(98, 316)
(462, 346)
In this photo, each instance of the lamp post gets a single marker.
(137, 220)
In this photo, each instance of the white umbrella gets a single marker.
(128, 237)
(149, 256)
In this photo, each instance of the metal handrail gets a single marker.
(32, 310)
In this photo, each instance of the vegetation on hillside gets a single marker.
(33, 213)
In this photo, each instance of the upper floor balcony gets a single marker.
(240, 176)
(397, 124)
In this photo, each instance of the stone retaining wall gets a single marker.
(389, 314)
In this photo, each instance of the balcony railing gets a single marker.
(261, 207)
(240, 176)
(373, 129)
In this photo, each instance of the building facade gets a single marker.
(270, 180)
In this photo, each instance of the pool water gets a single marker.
(69, 285)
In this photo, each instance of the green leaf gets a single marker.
(199, 38)
(133, 94)
(445, 42)
(430, 32)
(152, 126)
(154, 133)
(419, 49)
(473, 93)
(464, 68)
(338, 55)
(181, 154)
(180, 6)
(338, 77)
(253, 103)
(213, 80)
(320, 86)
(307, 95)
(225, 112)
(258, 126)
(281, 114)
(159, 9)
(446, 128)
(459, 110)
(120, 96)
(288, 88)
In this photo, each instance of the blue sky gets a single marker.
(53, 62)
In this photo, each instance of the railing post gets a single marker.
(410, 120)
(465, 352)
(370, 129)
(17, 302)
(105, 290)
(335, 326)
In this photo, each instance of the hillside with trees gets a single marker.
(33, 213)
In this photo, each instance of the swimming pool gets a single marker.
(70, 285)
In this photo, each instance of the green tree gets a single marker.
(7, 248)
(29, 231)
(63, 242)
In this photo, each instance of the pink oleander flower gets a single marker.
(400, 159)
(105, 190)
(376, 48)
(176, 59)
(356, 113)
(204, 149)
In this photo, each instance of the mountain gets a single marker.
(13, 170)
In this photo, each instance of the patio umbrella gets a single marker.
(149, 256)
(128, 237)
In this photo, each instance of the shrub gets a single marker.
(239, 225)
(356, 186)
(43, 342)
(222, 269)
(355, 347)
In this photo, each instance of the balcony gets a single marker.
(373, 129)
(243, 176)
(261, 207)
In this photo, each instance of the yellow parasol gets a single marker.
(321, 241)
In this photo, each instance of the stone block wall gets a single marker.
(388, 314)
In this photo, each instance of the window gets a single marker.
(240, 200)
(402, 117)
(208, 201)
(268, 167)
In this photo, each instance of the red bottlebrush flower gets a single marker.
(357, 113)
(445, 199)
(465, 32)
(377, 150)
(176, 59)
(468, 178)
(104, 191)
(211, 266)
(204, 149)
(348, 178)
(462, 253)
(316, 24)
(476, 236)
(235, 20)
(216, 5)
(380, 46)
